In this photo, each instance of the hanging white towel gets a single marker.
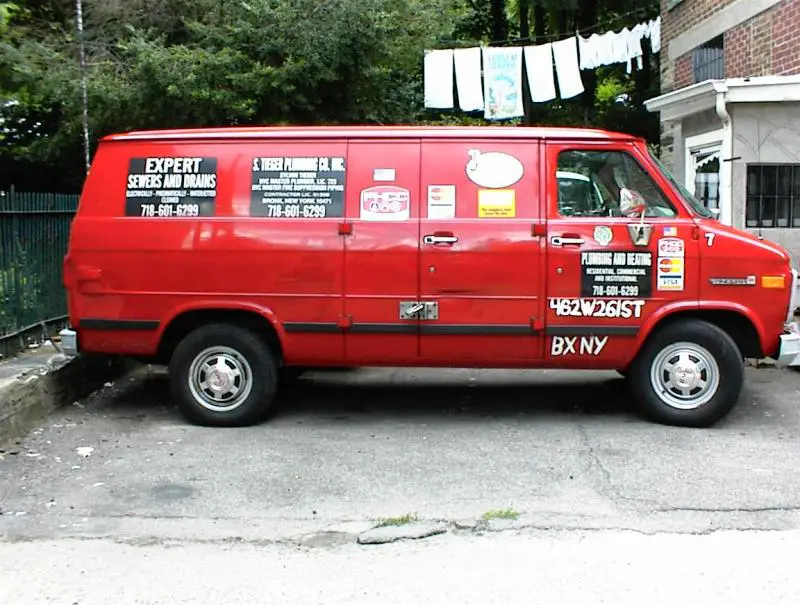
(502, 81)
(438, 79)
(539, 69)
(655, 35)
(468, 78)
(565, 53)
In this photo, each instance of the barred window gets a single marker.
(708, 61)
(773, 195)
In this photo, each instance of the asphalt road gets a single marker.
(609, 504)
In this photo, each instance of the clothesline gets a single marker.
(585, 30)
(500, 93)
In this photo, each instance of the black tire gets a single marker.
(291, 374)
(704, 339)
(241, 353)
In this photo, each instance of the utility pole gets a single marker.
(84, 90)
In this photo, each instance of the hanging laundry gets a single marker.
(655, 35)
(568, 71)
(635, 46)
(588, 51)
(468, 78)
(500, 93)
(604, 49)
(648, 30)
(502, 81)
(539, 69)
(438, 79)
(621, 45)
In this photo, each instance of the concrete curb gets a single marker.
(28, 398)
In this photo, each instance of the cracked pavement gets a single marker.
(345, 449)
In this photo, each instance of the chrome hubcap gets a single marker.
(220, 379)
(685, 375)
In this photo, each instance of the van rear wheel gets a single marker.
(688, 374)
(223, 375)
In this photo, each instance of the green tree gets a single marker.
(174, 63)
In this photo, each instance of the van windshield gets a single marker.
(695, 204)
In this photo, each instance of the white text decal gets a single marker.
(587, 307)
(570, 345)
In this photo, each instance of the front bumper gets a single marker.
(69, 342)
(789, 352)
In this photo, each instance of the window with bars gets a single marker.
(708, 61)
(773, 195)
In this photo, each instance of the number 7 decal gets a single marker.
(710, 239)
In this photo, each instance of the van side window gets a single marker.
(607, 183)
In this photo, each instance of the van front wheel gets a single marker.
(688, 374)
(223, 375)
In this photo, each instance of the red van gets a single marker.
(237, 256)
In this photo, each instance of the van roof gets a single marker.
(334, 132)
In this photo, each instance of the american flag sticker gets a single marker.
(670, 231)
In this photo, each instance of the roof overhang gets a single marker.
(702, 96)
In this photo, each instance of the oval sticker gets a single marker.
(493, 169)
(670, 246)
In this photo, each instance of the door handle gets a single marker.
(414, 309)
(566, 239)
(439, 238)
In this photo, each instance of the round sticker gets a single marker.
(603, 235)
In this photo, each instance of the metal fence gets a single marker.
(34, 232)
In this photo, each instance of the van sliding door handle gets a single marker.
(568, 239)
(439, 239)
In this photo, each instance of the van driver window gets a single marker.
(607, 183)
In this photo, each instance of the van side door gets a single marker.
(618, 250)
(481, 262)
(381, 255)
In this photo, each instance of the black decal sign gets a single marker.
(307, 187)
(171, 187)
(623, 274)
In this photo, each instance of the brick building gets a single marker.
(730, 109)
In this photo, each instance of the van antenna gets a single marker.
(84, 90)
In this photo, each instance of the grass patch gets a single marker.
(403, 520)
(501, 514)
